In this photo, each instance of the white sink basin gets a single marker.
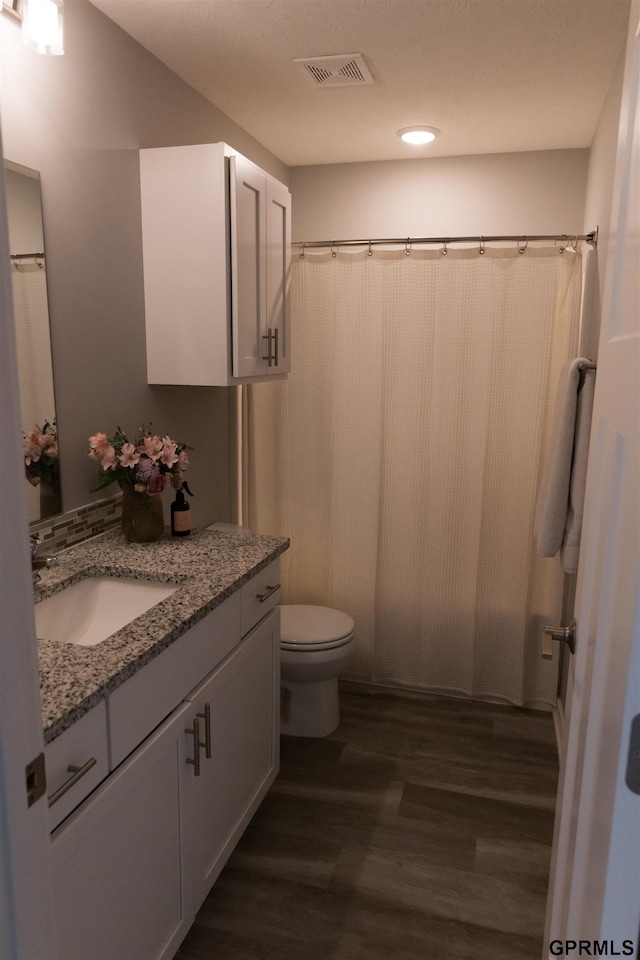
(88, 612)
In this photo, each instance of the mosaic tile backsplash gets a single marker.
(63, 531)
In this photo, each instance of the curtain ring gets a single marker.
(370, 252)
(481, 247)
(302, 252)
(334, 250)
(407, 247)
(444, 248)
(523, 249)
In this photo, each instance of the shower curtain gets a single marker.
(402, 458)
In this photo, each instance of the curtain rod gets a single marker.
(591, 238)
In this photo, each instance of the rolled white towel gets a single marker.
(558, 515)
(570, 548)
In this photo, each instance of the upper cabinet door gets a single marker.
(216, 232)
(248, 268)
(260, 267)
(278, 275)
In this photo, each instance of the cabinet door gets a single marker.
(241, 699)
(248, 268)
(121, 884)
(278, 228)
(185, 254)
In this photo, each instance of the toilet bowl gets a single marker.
(316, 645)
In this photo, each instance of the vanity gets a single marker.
(161, 740)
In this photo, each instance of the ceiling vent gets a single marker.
(344, 70)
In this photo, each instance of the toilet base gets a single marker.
(309, 709)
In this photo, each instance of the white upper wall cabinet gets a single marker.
(216, 234)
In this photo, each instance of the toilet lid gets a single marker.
(305, 624)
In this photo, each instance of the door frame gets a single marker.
(26, 915)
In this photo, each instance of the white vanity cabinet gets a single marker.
(216, 234)
(193, 746)
(121, 877)
(238, 707)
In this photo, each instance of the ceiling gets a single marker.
(493, 76)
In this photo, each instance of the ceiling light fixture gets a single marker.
(418, 135)
(42, 25)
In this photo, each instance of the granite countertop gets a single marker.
(209, 566)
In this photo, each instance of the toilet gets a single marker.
(315, 646)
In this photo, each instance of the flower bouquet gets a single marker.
(143, 469)
(42, 465)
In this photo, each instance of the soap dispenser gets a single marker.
(181, 513)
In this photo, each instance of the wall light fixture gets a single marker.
(42, 25)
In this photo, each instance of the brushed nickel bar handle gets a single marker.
(206, 716)
(195, 762)
(77, 772)
(268, 336)
(275, 346)
(269, 592)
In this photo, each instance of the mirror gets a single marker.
(35, 368)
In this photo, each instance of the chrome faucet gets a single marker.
(39, 563)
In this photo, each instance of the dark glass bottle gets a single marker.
(181, 514)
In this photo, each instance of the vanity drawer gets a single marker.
(143, 701)
(259, 595)
(76, 748)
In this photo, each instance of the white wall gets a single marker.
(80, 120)
(599, 193)
(516, 193)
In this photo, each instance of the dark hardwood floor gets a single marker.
(420, 830)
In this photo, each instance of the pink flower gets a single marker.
(108, 460)
(32, 449)
(49, 445)
(129, 456)
(152, 447)
(168, 455)
(98, 444)
(183, 461)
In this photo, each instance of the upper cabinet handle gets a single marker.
(268, 336)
